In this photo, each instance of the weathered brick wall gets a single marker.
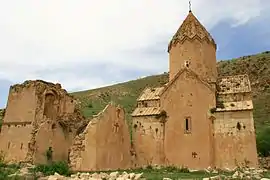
(234, 139)
(104, 144)
(148, 140)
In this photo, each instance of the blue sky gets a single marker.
(87, 44)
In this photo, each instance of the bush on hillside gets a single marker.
(263, 142)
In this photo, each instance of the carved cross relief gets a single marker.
(116, 127)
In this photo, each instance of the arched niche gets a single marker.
(50, 105)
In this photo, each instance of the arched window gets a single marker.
(49, 107)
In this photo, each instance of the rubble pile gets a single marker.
(243, 173)
(96, 176)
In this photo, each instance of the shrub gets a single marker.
(7, 169)
(49, 169)
(263, 142)
(49, 154)
(213, 110)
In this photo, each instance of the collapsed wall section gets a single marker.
(31, 123)
(17, 123)
(104, 144)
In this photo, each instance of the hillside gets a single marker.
(256, 66)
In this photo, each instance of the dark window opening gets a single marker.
(238, 126)
(187, 124)
(145, 104)
(8, 145)
(21, 145)
(53, 126)
(156, 130)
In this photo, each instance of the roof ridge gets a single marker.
(179, 73)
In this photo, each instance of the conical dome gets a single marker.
(191, 28)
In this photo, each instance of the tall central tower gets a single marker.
(193, 47)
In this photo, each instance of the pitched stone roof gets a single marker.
(236, 106)
(146, 111)
(191, 28)
(182, 71)
(150, 94)
(234, 84)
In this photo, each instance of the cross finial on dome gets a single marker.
(189, 6)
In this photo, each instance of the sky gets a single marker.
(86, 44)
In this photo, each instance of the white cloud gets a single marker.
(37, 35)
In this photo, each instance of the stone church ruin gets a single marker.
(104, 144)
(196, 120)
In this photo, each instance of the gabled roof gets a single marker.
(191, 28)
(181, 72)
(150, 94)
(234, 84)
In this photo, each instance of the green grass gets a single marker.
(267, 174)
(6, 170)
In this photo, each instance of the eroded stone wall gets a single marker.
(148, 140)
(14, 138)
(234, 139)
(104, 144)
(28, 131)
